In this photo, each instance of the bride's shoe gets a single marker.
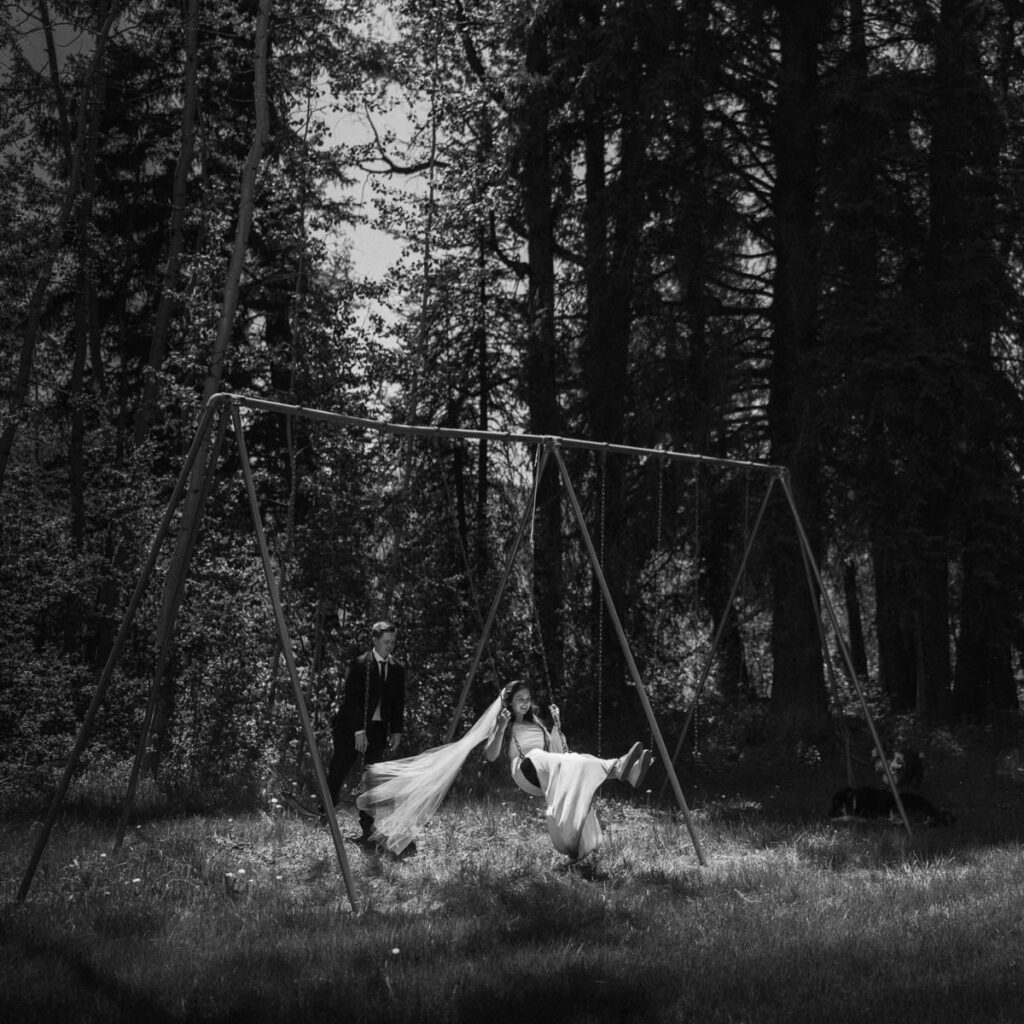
(639, 770)
(624, 764)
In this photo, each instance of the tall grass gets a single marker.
(246, 918)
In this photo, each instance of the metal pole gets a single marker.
(815, 591)
(452, 432)
(630, 663)
(164, 653)
(115, 652)
(844, 650)
(499, 593)
(720, 629)
(286, 648)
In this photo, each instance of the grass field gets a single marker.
(795, 918)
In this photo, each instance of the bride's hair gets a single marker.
(534, 714)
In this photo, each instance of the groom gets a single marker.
(370, 719)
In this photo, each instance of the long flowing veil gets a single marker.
(403, 795)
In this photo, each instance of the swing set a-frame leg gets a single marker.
(815, 587)
(165, 629)
(117, 649)
(326, 799)
(627, 653)
(815, 583)
(815, 592)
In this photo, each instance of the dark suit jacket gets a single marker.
(362, 691)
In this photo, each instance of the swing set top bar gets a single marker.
(326, 416)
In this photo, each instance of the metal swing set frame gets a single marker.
(225, 408)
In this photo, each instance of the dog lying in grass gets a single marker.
(870, 802)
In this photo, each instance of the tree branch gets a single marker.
(391, 166)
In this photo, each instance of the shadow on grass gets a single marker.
(52, 979)
(573, 994)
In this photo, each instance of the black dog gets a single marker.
(906, 767)
(870, 802)
(865, 802)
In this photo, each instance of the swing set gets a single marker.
(224, 409)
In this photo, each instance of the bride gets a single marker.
(542, 766)
(404, 794)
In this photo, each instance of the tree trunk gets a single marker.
(76, 386)
(855, 623)
(961, 296)
(695, 257)
(176, 238)
(970, 142)
(85, 302)
(717, 562)
(897, 674)
(613, 217)
(178, 570)
(482, 543)
(798, 701)
(540, 356)
(34, 318)
(984, 680)
(604, 369)
(63, 119)
(931, 634)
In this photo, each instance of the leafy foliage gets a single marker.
(614, 222)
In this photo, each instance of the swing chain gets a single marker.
(661, 503)
(600, 612)
(696, 531)
(535, 623)
(695, 610)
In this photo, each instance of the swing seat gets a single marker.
(523, 782)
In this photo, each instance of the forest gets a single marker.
(769, 233)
